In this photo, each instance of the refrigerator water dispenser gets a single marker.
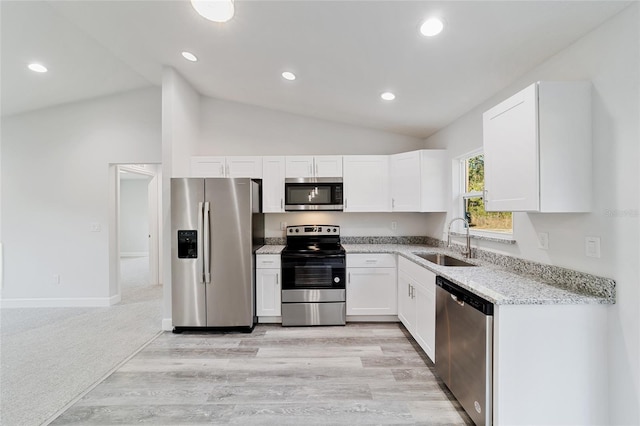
(187, 244)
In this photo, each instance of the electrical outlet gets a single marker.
(283, 226)
(543, 240)
(394, 225)
(95, 227)
(592, 246)
(55, 279)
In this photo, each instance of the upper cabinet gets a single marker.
(419, 181)
(305, 166)
(273, 184)
(231, 167)
(366, 183)
(537, 150)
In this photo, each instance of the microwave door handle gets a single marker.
(207, 244)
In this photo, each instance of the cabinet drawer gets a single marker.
(264, 261)
(371, 260)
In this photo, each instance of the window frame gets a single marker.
(462, 195)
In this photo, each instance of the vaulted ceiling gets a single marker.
(344, 53)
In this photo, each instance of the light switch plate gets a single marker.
(592, 246)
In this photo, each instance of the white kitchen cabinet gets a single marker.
(231, 167)
(366, 183)
(371, 284)
(313, 166)
(537, 150)
(273, 172)
(419, 181)
(268, 286)
(417, 303)
(406, 302)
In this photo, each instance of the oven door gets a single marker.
(313, 271)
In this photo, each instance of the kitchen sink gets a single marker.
(443, 259)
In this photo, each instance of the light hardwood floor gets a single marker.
(357, 374)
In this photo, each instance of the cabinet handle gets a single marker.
(371, 261)
(316, 170)
(222, 170)
(277, 278)
(345, 203)
(281, 204)
(409, 290)
(349, 277)
(393, 203)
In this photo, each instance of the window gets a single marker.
(472, 179)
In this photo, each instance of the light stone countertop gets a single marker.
(489, 281)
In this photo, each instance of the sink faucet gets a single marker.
(466, 253)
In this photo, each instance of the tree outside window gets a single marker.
(473, 202)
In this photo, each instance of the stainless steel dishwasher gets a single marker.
(464, 356)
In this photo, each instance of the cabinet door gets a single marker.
(372, 291)
(425, 331)
(268, 293)
(366, 183)
(405, 181)
(406, 303)
(244, 167)
(328, 166)
(273, 184)
(208, 167)
(299, 166)
(510, 139)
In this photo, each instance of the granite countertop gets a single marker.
(489, 281)
(270, 249)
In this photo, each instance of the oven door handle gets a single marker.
(313, 255)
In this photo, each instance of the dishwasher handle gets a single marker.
(464, 297)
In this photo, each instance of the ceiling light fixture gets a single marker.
(37, 67)
(431, 27)
(214, 10)
(288, 75)
(388, 96)
(189, 56)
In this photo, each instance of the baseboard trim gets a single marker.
(167, 324)
(270, 320)
(372, 318)
(72, 302)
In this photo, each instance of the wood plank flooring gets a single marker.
(357, 374)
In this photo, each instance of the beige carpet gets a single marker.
(49, 356)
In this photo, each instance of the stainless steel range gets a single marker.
(313, 276)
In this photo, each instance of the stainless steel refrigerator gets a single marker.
(216, 226)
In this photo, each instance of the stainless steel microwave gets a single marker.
(313, 194)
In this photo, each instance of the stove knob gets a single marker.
(297, 230)
(336, 280)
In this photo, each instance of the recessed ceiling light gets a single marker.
(189, 56)
(288, 75)
(214, 10)
(388, 96)
(37, 67)
(431, 27)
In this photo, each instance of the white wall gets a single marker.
(353, 224)
(231, 128)
(609, 57)
(134, 217)
(55, 175)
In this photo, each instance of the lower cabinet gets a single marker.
(371, 284)
(417, 303)
(268, 285)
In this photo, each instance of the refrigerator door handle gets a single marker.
(206, 243)
(200, 240)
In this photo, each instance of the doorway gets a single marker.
(137, 231)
